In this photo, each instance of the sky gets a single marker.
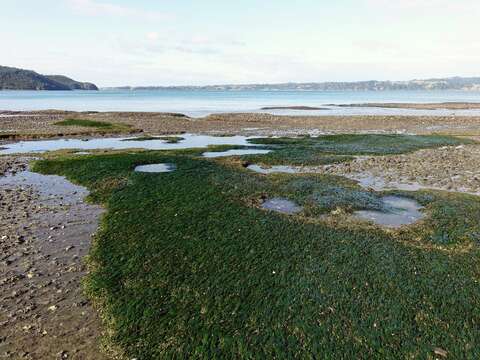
(199, 42)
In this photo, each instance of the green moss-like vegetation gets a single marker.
(337, 148)
(185, 264)
(355, 144)
(102, 127)
(85, 123)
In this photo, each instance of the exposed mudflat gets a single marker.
(38, 124)
(446, 168)
(421, 106)
(293, 108)
(46, 230)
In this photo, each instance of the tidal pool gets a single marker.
(273, 170)
(399, 211)
(234, 152)
(155, 168)
(283, 206)
(50, 187)
(189, 141)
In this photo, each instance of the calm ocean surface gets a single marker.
(201, 103)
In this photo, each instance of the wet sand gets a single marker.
(448, 168)
(46, 231)
(419, 106)
(27, 125)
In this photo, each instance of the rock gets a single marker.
(63, 354)
(440, 352)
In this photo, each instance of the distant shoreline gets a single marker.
(451, 83)
(417, 106)
(301, 107)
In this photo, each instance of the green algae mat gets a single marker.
(187, 265)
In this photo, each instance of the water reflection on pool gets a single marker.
(189, 141)
(273, 170)
(155, 168)
(399, 211)
(281, 205)
(234, 152)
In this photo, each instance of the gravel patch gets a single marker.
(447, 168)
(12, 164)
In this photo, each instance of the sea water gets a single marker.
(198, 103)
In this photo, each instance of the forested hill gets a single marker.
(452, 83)
(20, 79)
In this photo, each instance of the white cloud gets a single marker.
(430, 8)
(154, 43)
(98, 8)
(153, 36)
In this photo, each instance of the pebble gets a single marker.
(453, 168)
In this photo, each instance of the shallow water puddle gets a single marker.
(48, 186)
(189, 141)
(283, 206)
(234, 152)
(155, 168)
(400, 211)
(273, 170)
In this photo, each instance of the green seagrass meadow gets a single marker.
(186, 264)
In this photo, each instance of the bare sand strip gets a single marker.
(46, 230)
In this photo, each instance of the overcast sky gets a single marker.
(178, 42)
